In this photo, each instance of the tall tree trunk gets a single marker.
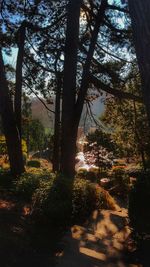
(18, 88)
(56, 150)
(68, 142)
(139, 139)
(9, 124)
(74, 108)
(140, 17)
(86, 68)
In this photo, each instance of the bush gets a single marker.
(3, 147)
(34, 163)
(84, 199)
(5, 179)
(87, 197)
(60, 199)
(87, 175)
(106, 201)
(25, 158)
(121, 180)
(82, 173)
(29, 182)
(52, 201)
(139, 208)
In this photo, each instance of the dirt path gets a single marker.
(100, 243)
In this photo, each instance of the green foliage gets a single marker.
(34, 163)
(128, 122)
(102, 139)
(25, 158)
(26, 185)
(120, 179)
(90, 175)
(139, 208)
(57, 200)
(3, 147)
(84, 199)
(35, 135)
(24, 147)
(5, 179)
(52, 201)
(82, 173)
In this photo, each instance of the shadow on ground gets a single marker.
(16, 244)
(102, 242)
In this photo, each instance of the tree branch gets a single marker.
(108, 89)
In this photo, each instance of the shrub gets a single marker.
(29, 182)
(84, 199)
(25, 158)
(55, 200)
(82, 173)
(106, 201)
(3, 147)
(139, 208)
(87, 197)
(87, 175)
(5, 179)
(26, 185)
(121, 180)
(52, 201)
(34, 163)
(92, 176)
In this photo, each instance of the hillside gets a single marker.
(41, 113)
(47, 118)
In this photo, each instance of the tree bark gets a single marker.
(18, 88)
(56, 150)
(68, 142)
(72, 108)
(9, 125)
(140, 17)
(86, 69)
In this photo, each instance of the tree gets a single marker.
(91, 62)
(140, 13)
(102, 138)
(69, 133)
(72, 108)
(9, 124)
(98, 156)
(128, 123)
(33, 131)
(20, 39)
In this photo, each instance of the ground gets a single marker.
(16, 248)
(101, 241)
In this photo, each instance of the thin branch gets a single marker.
(40, 99)
(117, 8)
(118, 93)
(115, 56)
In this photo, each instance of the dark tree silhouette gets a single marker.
(9, 124)
(140, 17)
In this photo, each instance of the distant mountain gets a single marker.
(40, 112)
(47, 118)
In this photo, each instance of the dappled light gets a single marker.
(98, 243)
(74, 133)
